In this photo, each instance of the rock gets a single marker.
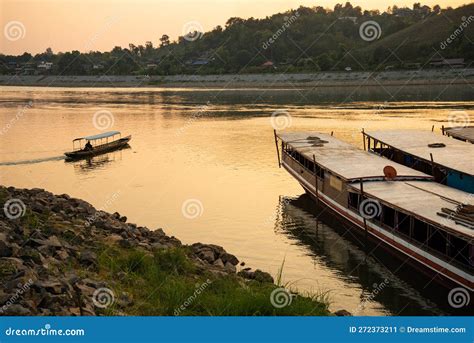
(230, 267)
(88, 258)
(342, 313)
(257, 275)
(229, 258)
(218, 263)
(16, 310)
(263, 276)
(51, 286)
(207, 255)
(62, 254)
(5, 249)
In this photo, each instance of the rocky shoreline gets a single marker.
(52, 249)
(264, 80)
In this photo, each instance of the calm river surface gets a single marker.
(216, 149)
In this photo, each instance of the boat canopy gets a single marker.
(449, 153)
(99, 136)
(465, 133)
(344, 159)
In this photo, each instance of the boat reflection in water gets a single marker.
(97, 162)
(330, 240)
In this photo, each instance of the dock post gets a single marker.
(278, 150)
(363, 139)
(315, 177)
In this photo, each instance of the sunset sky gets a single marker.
(84, 25)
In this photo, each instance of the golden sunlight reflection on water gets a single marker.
(225, 158)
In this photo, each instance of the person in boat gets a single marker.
(88, 146)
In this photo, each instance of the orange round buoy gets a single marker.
(390, 172)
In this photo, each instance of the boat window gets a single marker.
(437, 240)
(388, 216)
(354, 200)
(461, 251)
(403, 223)
(420, 230)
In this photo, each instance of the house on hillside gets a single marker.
(44, 67)
(268, 64)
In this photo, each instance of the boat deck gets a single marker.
(455, 155)
(462, 133)
(422, 198)
(343, 159)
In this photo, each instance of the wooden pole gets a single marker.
(363, 139)
(432, 128)
(278, 150)
(332, 133)
(315, 176)
(432, 166)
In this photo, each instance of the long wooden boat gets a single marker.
(100, 144)
(463, 133)
(449, 161)
(404, 209)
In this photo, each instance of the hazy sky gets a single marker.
(63, 25)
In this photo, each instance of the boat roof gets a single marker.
(344, 159)
(456, 154)
(422, 199)
(462, 132)
(99, 136)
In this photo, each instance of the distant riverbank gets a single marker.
(269, 80)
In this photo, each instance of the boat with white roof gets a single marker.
(97, 144)
(429, 224)
(450, 161)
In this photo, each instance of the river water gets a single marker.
(202, 165)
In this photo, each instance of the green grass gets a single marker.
(166, 283)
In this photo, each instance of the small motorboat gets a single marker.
(89, 146)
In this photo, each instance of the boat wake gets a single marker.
(34, 161)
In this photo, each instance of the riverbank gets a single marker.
(268, 80)
(61, 256)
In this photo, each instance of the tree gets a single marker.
(165, 40)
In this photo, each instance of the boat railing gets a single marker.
(379, 220)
